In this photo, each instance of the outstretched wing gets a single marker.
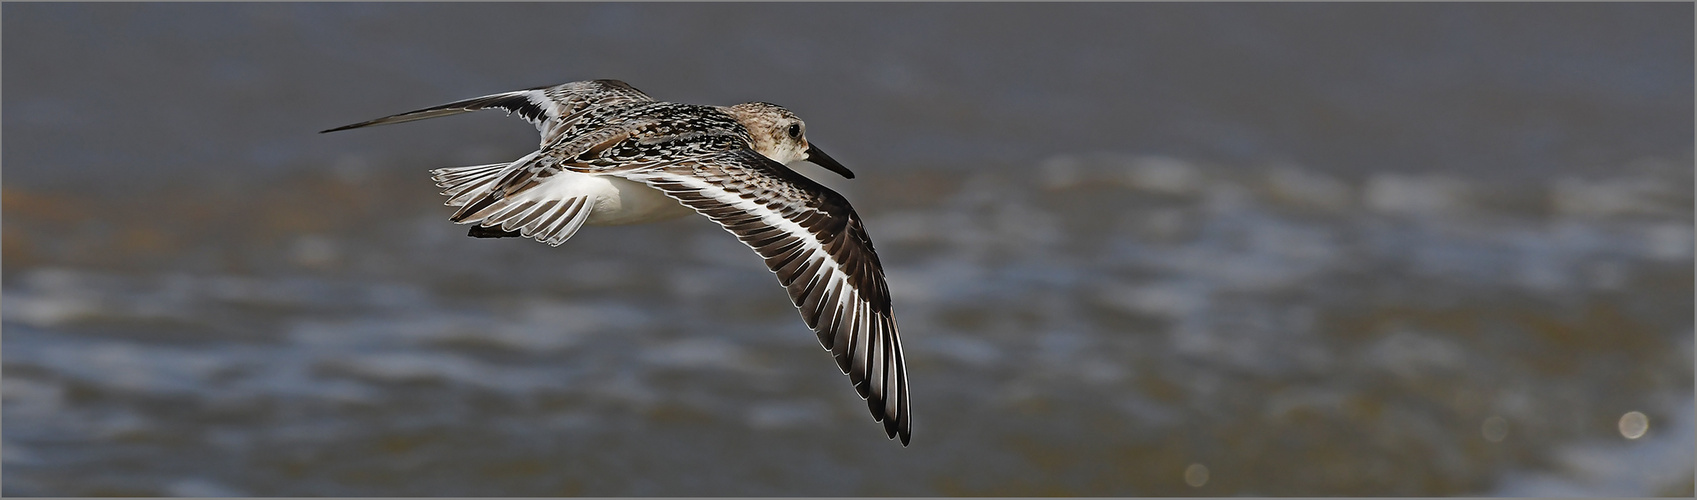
(553, 110)
(815, 243)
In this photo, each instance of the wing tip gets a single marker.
(344, 127)
(896, 426)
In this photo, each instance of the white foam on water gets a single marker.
(1417, 195)
(1627, 195)
(697, 354)
(1298, 186)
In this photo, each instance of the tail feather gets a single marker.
(551, 221)
(525, 214)
(460, 184)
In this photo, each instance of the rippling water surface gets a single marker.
(1135, 250)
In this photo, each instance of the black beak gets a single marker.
(824, 160)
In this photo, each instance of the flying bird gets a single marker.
(612, 155)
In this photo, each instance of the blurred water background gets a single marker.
(1135, 249)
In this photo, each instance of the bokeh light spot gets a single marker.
(1633, 425)
(1495, 429)
(1196, 475)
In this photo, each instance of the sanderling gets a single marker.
(612, 155)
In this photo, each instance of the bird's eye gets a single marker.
(795, 130)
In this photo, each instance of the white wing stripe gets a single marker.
(895, 386)
(857, 369)
(851, 323)
(770, 217)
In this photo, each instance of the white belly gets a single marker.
(617, 201)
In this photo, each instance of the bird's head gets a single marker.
(779, 135)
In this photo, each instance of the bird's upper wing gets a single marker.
(815, 243)
(555, 110)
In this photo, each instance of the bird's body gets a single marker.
(613, 200)
(612, 155)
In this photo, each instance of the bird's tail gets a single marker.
(528, 213)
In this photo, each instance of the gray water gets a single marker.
(1144, 249)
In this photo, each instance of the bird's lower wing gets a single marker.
(815, 243)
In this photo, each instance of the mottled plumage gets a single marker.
(612, 155)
